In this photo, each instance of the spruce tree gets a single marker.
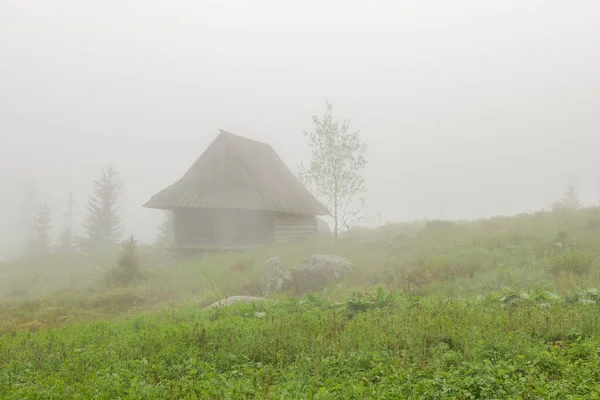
(103, 222)
(42, 224)
(66, 235)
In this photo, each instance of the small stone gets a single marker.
(234, 299)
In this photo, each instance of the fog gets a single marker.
(469, 108)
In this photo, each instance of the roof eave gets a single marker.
(157, 207)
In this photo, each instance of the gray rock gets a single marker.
(312, 275)
(234, 299)
(276, 277)
(334, 267)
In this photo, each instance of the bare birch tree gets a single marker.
(335, 169)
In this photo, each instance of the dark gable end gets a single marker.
(239, 173)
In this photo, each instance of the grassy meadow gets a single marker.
(503, 308)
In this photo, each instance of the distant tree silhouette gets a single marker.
(570, 200)
(28, 208)
(42, 224)
(103, 223)
(65, 241)
(165, 230)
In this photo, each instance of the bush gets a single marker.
(438, 225)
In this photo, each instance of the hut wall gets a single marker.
(288, 227)
(192, 226)
(221, 227)
(253, 226)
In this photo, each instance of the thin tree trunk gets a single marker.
(335, 217)
(335, 205)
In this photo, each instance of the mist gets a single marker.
(470, 109)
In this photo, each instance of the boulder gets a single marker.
(312, 275)
(276, 277)
(332, 267)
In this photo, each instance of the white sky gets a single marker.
(470, 108)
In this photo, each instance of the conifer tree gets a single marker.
(42, 224)
(66, 236)
(103, 222)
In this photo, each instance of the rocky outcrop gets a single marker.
(276, 277)
(312, 275)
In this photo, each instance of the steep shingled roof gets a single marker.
(270, 184)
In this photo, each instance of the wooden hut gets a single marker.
(237, 194)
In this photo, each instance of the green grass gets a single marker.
(368, 347)
(501, 308)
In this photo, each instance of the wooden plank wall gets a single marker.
(191, 225)
(288, 227)
(253, 226)
(220, 226)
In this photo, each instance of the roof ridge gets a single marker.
(235, 136)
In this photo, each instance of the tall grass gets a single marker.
(374, 345)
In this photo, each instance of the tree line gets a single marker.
(103, 222)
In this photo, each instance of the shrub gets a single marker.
(438, 225)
